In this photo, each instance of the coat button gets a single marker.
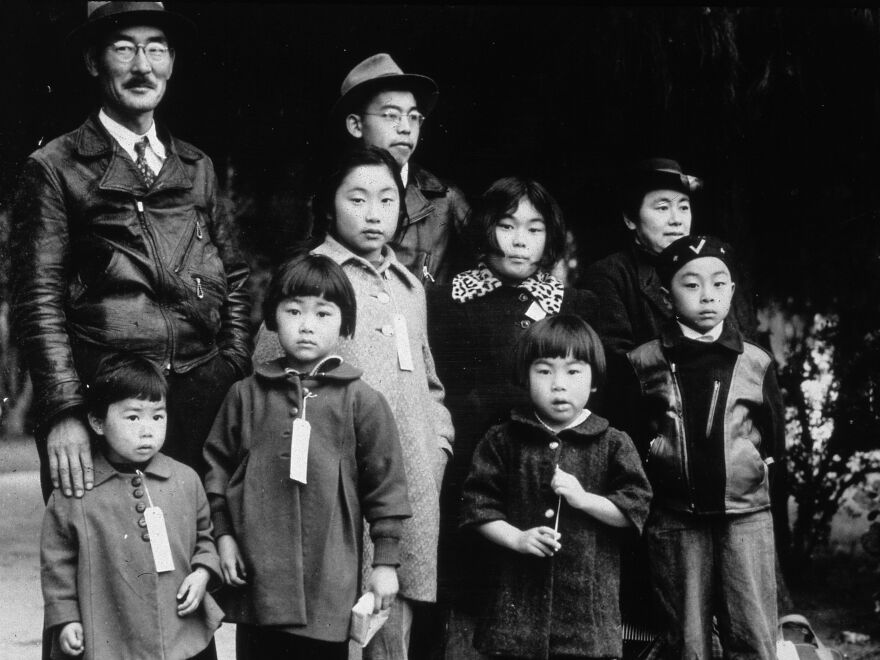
(145, 536)
(554, 444)
(136, 481)
(138, 492)
(387, 330)
(524, 323)
(294, 411)
(384, 298)
(523, 297)
(142, 522)
(549, 513)
(141, 507)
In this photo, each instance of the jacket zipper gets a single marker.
(142, 219)
(682, 433)
(711, 420)
(200, 292)
(195, 235)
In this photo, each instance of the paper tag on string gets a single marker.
(159, 539)
(404, 356)
(299, 449)
(535, 312)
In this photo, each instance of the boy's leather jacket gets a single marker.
(100, 259)
(752, 425)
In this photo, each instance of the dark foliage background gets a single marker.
(776, 108)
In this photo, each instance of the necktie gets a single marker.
(140, 148)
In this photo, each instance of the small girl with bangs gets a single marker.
(358, 211)
(519, 232)
(550, 489)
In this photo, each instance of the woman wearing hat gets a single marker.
(656, 200)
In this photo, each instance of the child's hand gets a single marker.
(567, 486)
(383, 584)
(192, 590)
(538, 541)
(71, 638)
(231, 561)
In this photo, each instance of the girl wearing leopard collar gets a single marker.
(474, 324)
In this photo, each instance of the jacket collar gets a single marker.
(160, 467)
(649, 281)
(92, 141)
(330, 368)
(592, 425)
(672, 336)
(425, 181)
(420, 188)
(342, 255)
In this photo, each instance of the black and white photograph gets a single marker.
(439, 331)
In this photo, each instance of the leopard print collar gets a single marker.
(477, 282)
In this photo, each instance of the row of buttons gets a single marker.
(140, 507)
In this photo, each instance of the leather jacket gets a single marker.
(752, 425)
(101, 261)
(431, 247)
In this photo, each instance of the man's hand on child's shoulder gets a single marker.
(192, 591)
(70, 639)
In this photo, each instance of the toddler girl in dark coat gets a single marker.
(300, 454)
(554, 486)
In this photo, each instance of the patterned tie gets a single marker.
(140, 148)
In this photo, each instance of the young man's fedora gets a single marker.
(379, 72)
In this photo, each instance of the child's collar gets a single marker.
(592, 425)
(731, 338)
(342, 255)
(331, 367)
(159, 467)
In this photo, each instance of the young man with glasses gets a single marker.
(384, 107)
(121, 244)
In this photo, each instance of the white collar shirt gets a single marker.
(155, 152)
(710, 336)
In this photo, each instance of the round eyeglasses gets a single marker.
(394, 117)
(125, 51)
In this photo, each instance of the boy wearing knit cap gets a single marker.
(712, 425)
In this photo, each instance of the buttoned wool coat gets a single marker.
(97, 567)
(565, 605)
(415, 397)
(302, 542)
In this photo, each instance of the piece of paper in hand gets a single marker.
(365, 624)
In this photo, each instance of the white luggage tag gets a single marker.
(535, 312)
(404, 356)
(158, 533)
(300, 433)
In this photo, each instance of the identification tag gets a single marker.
(404, 356)
(299, 449)
(159, 539)
(535, 312)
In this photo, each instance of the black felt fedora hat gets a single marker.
(101, 16)
(661, 174)
(379, 72)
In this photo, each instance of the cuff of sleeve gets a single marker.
(60, 613)
(386, 551)
(219, 516)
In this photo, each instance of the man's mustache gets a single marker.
(139, 82)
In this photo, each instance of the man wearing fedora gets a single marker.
(120, 243)
(382, 106)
